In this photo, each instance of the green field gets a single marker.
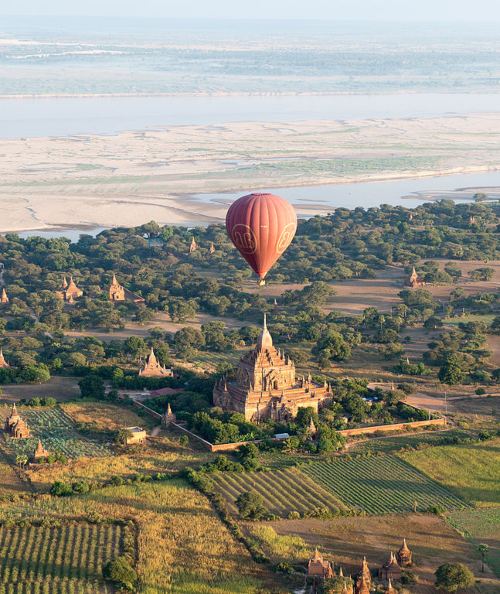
(481, 526)
(380, 485)
(58, 434)
(283, 491)
(66, 559)
(396, 442)
(471, 470)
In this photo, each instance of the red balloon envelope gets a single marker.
(261, 226)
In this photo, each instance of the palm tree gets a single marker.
(22, 460)
(483, 550)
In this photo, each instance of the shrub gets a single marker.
(121, 573)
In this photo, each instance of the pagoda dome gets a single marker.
(265, 340)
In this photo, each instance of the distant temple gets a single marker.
(153, 368)
(3, 362)
(318, 568)
(390, 588)
(69, 292)
(266, 385)
(15, 426)
(404, 556)
(212, 247)
(40, 453)
(414, 280)
(364, 579)
(193, 247)
(168, 416)
(390, 570)
(4, 297)
(118, 293)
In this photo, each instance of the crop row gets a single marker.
(381, 484)
(55, 586)
(74, 550)
(283, 491)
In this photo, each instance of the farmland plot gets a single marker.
(58, 434)
(380, 485)
(62, 559)
(283, 491)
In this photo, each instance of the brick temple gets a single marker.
(267, 385)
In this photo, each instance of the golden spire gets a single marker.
(3, 362)
(265, 340)
(65, 282)
(4, 298)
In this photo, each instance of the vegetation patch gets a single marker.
(381, 484)
(61, 558)
(58, 434)
(481, 526)
(284, 492)
(471, 470)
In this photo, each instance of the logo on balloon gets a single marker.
(285, 237)
(244, 239)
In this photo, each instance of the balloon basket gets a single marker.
(261, 282)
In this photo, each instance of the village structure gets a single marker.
(69, 292)
(15, 426)
(135, 435)
(319, 569)
(4, 299)
(153, 368)
(414, 280)
(267, 387)
(117, 292)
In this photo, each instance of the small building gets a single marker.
(40, 453)
(135, 435)
(4, 298)
(414, 280)
(153, 368)
(3, 362)
(404, 556)
(15, 426)
(117, 292)
(69, 292)
(390, 570)
(318, 569)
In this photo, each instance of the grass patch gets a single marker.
(381, 485)
(395, 443)
(480, 526)
(288, 547)
(471, 470)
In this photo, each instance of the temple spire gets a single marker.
(265, 340)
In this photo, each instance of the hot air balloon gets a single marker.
(261, 226)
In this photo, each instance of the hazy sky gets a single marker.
(429, 10)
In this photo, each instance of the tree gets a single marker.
(121, 573)
(452, 577)
(483, 551)
(92, 386)
(251, 506)
(451, 371)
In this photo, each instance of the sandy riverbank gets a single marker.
(134, 177)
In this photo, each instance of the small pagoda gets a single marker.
(267, 386)
(364, 579)
(4, 298)
(168, 416)
(404, 556)
(390, 570)
(3, 362)
(212, 247)
(153, 368)
(318, 569)
(193, 246)
(69, 291)
(15, 426)
(117, 292)
(40, 453)
(414, 280)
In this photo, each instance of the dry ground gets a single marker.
(61, 388)
(346, 540)
(104, 416)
